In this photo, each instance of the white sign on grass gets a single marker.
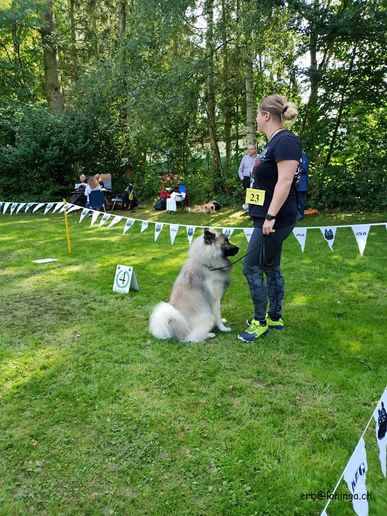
(125, 279)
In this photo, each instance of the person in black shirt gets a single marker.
(273, 210)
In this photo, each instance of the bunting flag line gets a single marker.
(360, 231)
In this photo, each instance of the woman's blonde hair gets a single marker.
(279, 108)
(93, 182)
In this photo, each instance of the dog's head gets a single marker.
(221, 241)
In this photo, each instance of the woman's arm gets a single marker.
(286, 171)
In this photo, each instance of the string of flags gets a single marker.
(355, 472)
(360, 231)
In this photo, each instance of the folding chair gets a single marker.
(97, 200)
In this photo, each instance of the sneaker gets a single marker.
(275, 325)
(254, 331)
(245, 208)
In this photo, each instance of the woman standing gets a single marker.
(273, 209)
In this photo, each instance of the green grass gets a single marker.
(97, 417)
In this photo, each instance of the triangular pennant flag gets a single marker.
(116, 219)
(1, 205)
(58, 205)
(248, 232)
(361, 234)
(21, 205)
(144, 225)
(300, 234)
(38, 206)
(95, 216)
(5, 207)
(14, 205)
(355, 476)
(29, 205)
(190, 233)
(380, 416)
(48, 207)
(329, 234)
(104, 219)
(73, 207)
(173, 229)
(85, 211)
(227, 232)
(158, 228)
(128, 224)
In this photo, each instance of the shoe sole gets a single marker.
(250, 341)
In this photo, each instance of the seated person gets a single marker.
(78, 196)
(92, 185)
(178, 195)
(100, 182)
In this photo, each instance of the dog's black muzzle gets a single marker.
(229, 249)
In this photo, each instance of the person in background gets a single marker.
(78, 195)
(273, 210)
(302, 187)
(246, 165)
(92, 184)
(98, 178)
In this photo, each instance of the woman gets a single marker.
(273, 209)
(92, 184)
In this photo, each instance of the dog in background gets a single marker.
(207, 207)
(194, 306)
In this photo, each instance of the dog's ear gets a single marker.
(208, 237)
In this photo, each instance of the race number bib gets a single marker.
(254, 196)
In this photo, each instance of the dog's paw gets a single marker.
(224, 320)
(210, 335)
(224, 328)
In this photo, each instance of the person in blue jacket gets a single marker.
(302, 186)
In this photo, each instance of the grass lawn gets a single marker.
(97, 417)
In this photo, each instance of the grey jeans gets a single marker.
(264, 260)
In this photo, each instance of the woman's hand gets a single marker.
(267, 227)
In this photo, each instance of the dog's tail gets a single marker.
(166, 322)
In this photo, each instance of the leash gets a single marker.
(241, 258)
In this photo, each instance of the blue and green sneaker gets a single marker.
(275, 325)
(254, 330)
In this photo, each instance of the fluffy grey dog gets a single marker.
(194, 307)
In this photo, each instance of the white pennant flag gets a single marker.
(58, 205)
(48, 207)
(248, 232)
(361, 234)
(1, 205)
(21, 205)
(355, 476)
(73, 207)
(5, 207)
(85, 211)
(380, 416)
(38, 206)
(115, 221)
(190, 233)
(173, 229)
(227, 232)
(29, 205)
(95, 216)
(14, 205)
(104, 219)
(144, 225)
(128, 224)
(158, 228)
(300, 234)
(329, 234)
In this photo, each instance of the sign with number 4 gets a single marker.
(125, 279)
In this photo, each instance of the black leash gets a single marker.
(241, 258)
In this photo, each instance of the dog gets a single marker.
(194, 306)
(207, 207)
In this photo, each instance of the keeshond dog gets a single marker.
(194, 307)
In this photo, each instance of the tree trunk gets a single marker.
(122, 14)
(73, 42)
(211, 118)
(250, 124)
(226, 88)
(53, 86)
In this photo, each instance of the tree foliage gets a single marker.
(154, 86)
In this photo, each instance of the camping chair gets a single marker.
(97, 200)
